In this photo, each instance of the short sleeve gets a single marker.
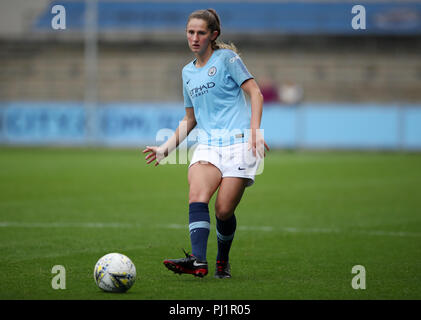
(236, 68)
(187, 101)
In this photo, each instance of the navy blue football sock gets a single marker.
(225, 231)
(199, 226)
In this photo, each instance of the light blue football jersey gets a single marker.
(221, 109)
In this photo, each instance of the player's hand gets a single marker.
(154, 153)
(257, 144)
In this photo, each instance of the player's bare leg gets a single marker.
(204, 179)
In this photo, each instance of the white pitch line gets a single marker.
(311, 230)
(102, 225)
(65, 225)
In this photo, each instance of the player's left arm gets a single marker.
(256, 141)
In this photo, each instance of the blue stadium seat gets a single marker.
(306, 18)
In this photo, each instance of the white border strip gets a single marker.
(102, 225)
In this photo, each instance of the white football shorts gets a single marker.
(233, 160)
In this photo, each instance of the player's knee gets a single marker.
(199, 196)
(223, 212)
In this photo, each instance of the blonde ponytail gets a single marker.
(223, 45)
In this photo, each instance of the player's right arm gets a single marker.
(160, 152)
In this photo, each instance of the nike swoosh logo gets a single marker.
(241, 168)
(198, 264)
(188, 82)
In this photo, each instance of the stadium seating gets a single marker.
(46, 71)
(140, 59)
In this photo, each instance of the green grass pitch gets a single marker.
(310, 217)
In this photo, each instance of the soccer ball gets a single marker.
(114, 272)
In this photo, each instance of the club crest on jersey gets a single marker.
(211, 71)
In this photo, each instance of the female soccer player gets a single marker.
(230, 144)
